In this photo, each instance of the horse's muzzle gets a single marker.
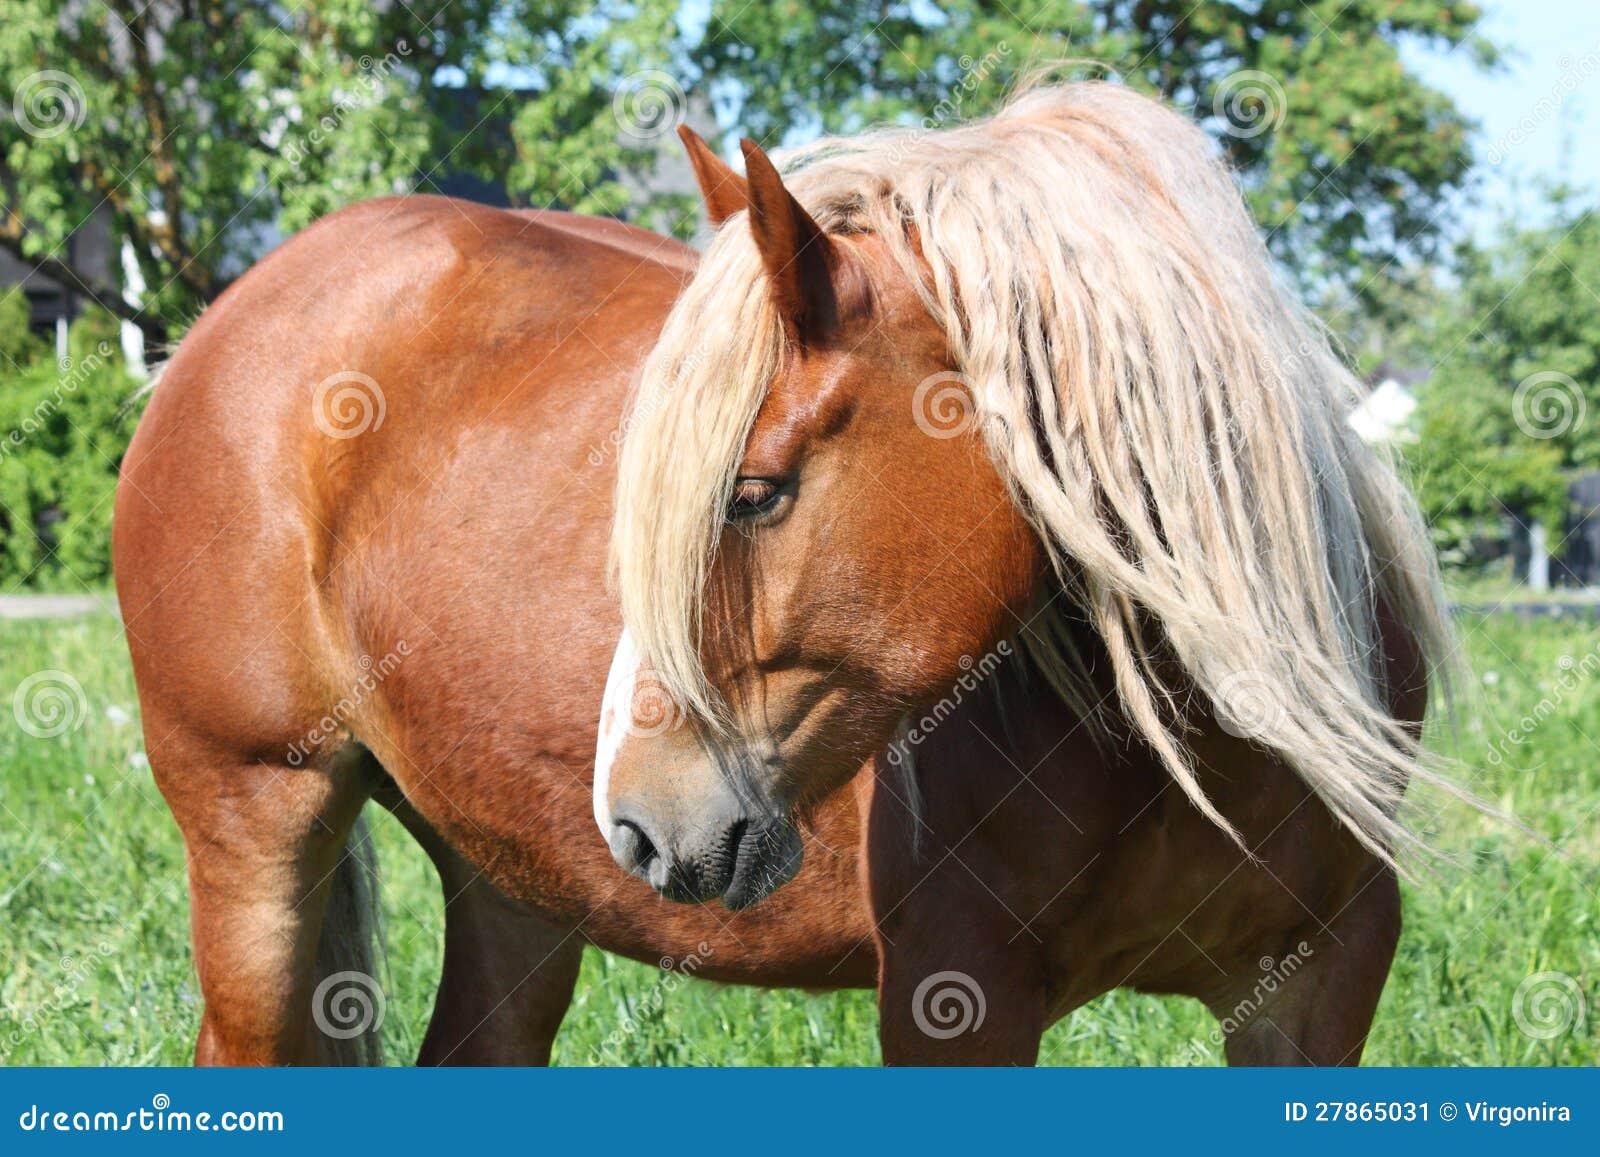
(741, 859)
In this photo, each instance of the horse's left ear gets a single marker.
(811, 275)
(722, 189)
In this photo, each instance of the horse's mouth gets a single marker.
(765, 858)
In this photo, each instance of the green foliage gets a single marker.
(18, 344)
(1345, 153)
(63, 429)
(610, 88)
(1512, 409)
(204, 129)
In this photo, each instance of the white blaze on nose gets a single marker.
(616, 711)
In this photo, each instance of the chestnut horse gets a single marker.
(1018, 409)
(361, 544)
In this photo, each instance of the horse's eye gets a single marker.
(753, 499)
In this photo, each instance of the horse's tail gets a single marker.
(348, 1001)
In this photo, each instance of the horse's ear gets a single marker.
(807, 270)
(724, 190)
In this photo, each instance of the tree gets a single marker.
(205, 128)
(209, 127)
(1346, 155)
(1512, 410)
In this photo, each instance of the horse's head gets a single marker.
(820, 522)
(865, 552)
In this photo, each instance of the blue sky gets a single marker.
(1539, 114)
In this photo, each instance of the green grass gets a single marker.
(96, 967)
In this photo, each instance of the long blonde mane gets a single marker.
(1167, 417)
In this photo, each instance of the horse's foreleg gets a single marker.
(1324, 984)
(265, 844)
(953, 990)
(508, 973)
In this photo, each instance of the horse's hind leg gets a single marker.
(1325, 986)
(508, 973)
(266, 846)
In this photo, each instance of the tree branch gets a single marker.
(167, 235)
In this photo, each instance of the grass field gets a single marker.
(1499, 964)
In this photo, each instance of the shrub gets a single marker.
(63, 430)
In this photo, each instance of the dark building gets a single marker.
(51, 305)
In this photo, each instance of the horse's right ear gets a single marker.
(724, 190)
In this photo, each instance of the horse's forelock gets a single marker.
(697, 399)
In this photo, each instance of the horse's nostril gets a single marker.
(681, 882)
(633, 848)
